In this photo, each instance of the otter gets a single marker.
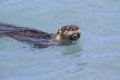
(66, 35)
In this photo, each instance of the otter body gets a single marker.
(65, 35)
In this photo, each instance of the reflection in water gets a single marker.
(72, 49)
(74, 58)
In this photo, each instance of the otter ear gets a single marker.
(59, 31)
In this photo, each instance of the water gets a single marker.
(96, 56)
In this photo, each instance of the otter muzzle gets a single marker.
(75, 37)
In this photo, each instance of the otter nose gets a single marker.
(75, 36)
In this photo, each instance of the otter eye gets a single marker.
(76, 28)
(73, 29)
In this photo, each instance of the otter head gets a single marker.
(68, 33)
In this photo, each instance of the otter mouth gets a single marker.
(74, 37)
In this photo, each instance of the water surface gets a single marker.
(96, 56)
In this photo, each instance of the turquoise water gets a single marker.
(96, 56)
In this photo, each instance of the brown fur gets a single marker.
(67, 33)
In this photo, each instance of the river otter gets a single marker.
(66, 35)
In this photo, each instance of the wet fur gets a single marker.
(16, 32)
(39, 38)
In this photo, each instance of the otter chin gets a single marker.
(68, 33)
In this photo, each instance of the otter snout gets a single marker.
(75, 36)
